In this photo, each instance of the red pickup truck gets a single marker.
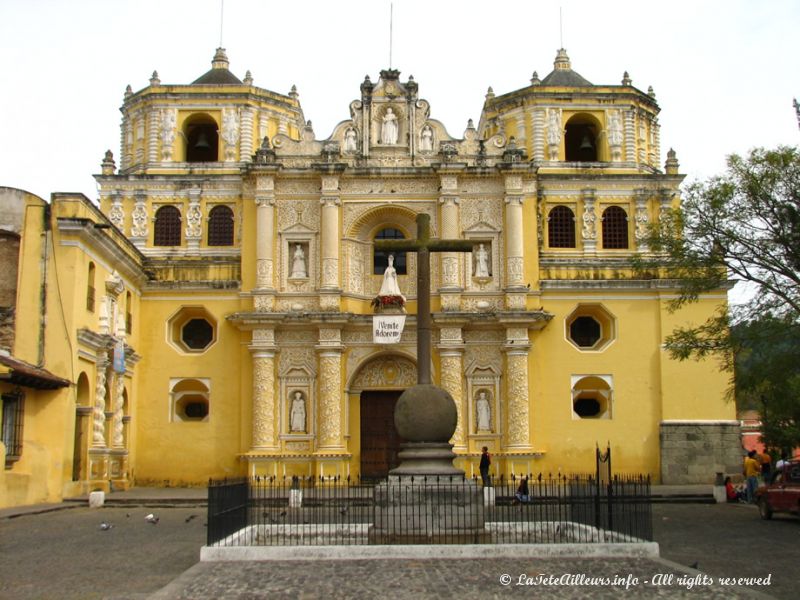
(783, 493)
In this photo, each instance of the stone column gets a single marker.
(521, 133)
(117, 437)
(194, 223)
(630, 136)
(265, 428)
(331, 203)
(451, 379)
(99, 411)
(330, 414)
(246, 136)
(450, 272)
(589, 229)
(517, 392)
(265, 240)
(514, 243)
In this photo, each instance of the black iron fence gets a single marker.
(433, 510)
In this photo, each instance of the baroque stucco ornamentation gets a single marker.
(517, 385)
(451, 379)
(119, 403)
(386, 372)
(330, 411)
(139, 216)
(99, 411)
(263, 401)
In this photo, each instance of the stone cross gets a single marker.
(423, 246)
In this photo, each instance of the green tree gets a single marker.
(741, 226)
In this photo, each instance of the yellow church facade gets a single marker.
(214, 315)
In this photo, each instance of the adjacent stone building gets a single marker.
(218, 305)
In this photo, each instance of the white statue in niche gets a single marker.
(389, 287)
(299, 263)
(426, 139)
(481, 262)
(389, 127)
(350, 140)
(484, 412)
(297, 416)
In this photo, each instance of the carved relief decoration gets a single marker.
(517, 390)
(451, 379)
(385, 372)
(330, 411)
(263, 401)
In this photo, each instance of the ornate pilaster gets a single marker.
(99, 410)
(126, 133)
(665, 197)
(153, 126)
(169, 118)
(538, 134)
(264, 400)
(139, 228)
(517, 388)
(194, 223)
(331, 420)
(655, 128)
(630, 136)
(265, 240)
(641, 220)
(230, 132)
(513, 226)
(589, 229)
(451, 378)
(521, 133)
(331, 206)
(116, 213)
(450, 273)
(107, 319)
(118, 395)
(246, 137)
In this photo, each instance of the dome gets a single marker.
(219, 73)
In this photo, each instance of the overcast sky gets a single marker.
(724, 72)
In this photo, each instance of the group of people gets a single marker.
(756, 466)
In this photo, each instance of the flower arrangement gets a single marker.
(379, 302)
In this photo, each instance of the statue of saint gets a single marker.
(426, 139)
(299, 263)
(350, 145)
(297, 418)
(481, 262)
(389, 286)
(484, 412)
(389, 127)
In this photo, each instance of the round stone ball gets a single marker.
(425, 413)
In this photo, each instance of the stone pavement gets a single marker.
(63, 555)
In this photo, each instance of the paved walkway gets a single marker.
(135, 560)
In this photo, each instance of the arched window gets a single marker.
(220, 226)
(167, 230)
(90, 288)
(580, 140)
(615, 228)
(381, 258)
(561, 228)
(202, 139)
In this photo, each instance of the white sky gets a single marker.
(724, 72)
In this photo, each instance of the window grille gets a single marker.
(561, 228)
(220, 226)
(167, 230)
(13, 413)
(615, 228)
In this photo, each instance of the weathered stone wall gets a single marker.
(695, 451)
(9, 258)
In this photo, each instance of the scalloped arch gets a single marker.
(367, 225)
